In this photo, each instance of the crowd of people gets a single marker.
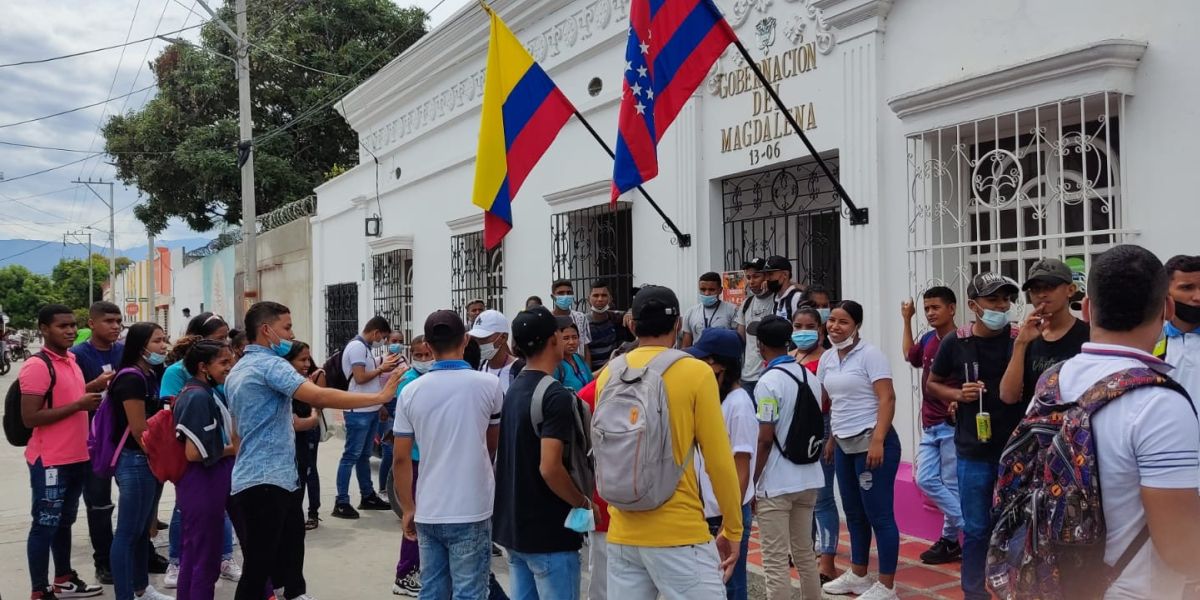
(654, 436)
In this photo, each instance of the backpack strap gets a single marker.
(535, 404)
(49, 395)
(1114, 386)
(1130, 551)
(665, 360)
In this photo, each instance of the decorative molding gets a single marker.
(387, 244)
(740, 11)
(841, 14)
(466, 224)
(809, 26)
(587, 191)
(1110, 62)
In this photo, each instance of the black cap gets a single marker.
(758, 264)
(773, 331)
(532, 327)
(654, 301)
(444, 325)
(1049, 270)
(778, 263)
(990, 284)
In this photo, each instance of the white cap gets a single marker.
(489, 323)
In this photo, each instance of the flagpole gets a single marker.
(858, 216)
(683, 240)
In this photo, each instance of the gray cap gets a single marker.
(990, 284)
(1049, 270)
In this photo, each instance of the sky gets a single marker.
(47, 205)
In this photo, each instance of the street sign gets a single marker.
(131, 309)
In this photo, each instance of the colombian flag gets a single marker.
(523, 111)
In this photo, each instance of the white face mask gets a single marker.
(602, 309)
(846, 343)
(487, 351)
(422, 366)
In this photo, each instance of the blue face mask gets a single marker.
(155, 359)
(282, 348)
(824, 312)
(564, 302)
(709, 301)
(581, 520)
(395, 348)
(994, 319)
(804, 339)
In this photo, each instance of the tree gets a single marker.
(179, 150)
(70, 277)
(23, 292)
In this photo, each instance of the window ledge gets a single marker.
(588, 194)
(387, 244)
(1108, 63)
(466, 224)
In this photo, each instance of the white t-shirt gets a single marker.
(1183, 353)
(447, 412)
(698, 318)
(503, 373)
(850, 383)
(738, 410)
(775, 395)
(358, 353)
(1145, 438)
(752, 365)
(788, 301)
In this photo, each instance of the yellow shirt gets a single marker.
(696, 419)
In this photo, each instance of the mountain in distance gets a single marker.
(40, 256)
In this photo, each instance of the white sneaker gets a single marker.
(230, 570)
(849, 583)
(153, 594)
(879, 592)
(171, 577)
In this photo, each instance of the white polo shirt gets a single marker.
(358, 353)
(1183, 353)
(742, 426)
(775, 396)
(851, 386)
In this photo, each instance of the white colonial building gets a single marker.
(977, 136)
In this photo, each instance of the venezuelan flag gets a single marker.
(523, 111)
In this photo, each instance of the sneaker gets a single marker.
(171, 577)
(345, 511)
(153, 594)
(312, 523)
(74, 587)
(879, 592)
(157, 564)
(941, 552)
(46, 595)
(104, 575)
(848, 583)
(231, 571)
(496, 550)
(374, 502)
(409, 585)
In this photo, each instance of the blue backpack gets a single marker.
(102, 450)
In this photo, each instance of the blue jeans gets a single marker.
(455, 560)
(55, 504)
(549, 575)
(826, 520)
(360, 435)
(937, 476)
(175, 533)
(735, 588)
(867, 497)
(976, 480)
(137, 488)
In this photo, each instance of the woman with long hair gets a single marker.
(306, 420)
(134, 394)
(856, 380)
(203, 423)
(810, 338)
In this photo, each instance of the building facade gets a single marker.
(978, 136)
(133, 289)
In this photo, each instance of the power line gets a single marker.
(78, 108)
(111, 86)
(93, 51)
(31, 207)
(23, 252)
(66, 189)
(19, 177)
(80, 150)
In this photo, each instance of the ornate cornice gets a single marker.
(586, 192)
(387, 244)
(466, 224)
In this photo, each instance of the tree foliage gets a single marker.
(23, 292)
(179, 150)
(70, 279)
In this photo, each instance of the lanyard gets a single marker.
(707, 317)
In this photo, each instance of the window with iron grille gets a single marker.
(392, 273)
(476, 274)
(341, 315)
(594, 243)
(792, 211)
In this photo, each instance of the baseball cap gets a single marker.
(778, 263)
(532, 327)
(989, 284)
(1049, 270)
(489, 323)
(718, 342)
(773, 331)
(444, 325)
(758, 264)
(655, 301)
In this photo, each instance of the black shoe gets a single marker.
(48, 594)
(345, 511)
(374, 502)
(941, 552)
(163, 526)
(496, 550)
(104, 575)
(75, 588)
(157, 564)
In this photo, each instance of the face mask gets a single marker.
(564, 302)
(602, 309)
(1188, 313)
(709, 301)
(395, 348)
(994, 319)
(765, 292)
(155, 359)
(581, 520)
(824, 312)
(422, 366)
(846, 343)
(774, 286)
(487, 351)
(804, 339)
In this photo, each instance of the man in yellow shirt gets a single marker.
(668, 550)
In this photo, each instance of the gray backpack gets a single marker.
(631, 436)
(577, 456)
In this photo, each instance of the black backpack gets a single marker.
(14, 427)
(335, 377)
(806, 433)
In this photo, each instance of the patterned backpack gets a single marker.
(1049, 536)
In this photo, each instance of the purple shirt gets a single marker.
(921, 355)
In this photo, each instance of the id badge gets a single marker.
(52, 477)
(983, 426)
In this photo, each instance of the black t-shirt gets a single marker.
(129, 387)
(528, 516)
(606, 336)
(1041, 355)
(992, 355)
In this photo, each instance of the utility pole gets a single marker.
(112, 232)
(245, 148)
(150, 276)
(91, 279)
